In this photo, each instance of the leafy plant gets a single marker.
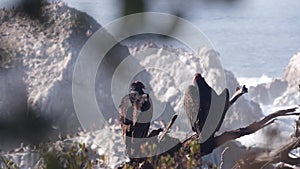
(73, 156)
(8, 163)
(184, 158)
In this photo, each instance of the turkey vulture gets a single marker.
(198, 101)
(135, 113)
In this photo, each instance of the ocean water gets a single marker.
(254, 37)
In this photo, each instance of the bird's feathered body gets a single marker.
(135, 113)
(198, 102)
(136, 116)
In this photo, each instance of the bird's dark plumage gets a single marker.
(198, 101)
(135, 113)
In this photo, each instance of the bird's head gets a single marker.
(137, 86)
(197, 77)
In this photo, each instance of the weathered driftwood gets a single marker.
(279, 155)
(216, 141)
(167, 128)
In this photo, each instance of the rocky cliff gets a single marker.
(281, 91)
(37, 57)
(292, 71)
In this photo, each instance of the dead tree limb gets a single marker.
(167, 128)
(216, 141)
(281, 154)
(238, 93)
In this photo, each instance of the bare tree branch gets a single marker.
(238, 93)
(166, 129)
(216, 141)
(280, 154)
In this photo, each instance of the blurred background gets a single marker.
(254, 39)
(247, 33)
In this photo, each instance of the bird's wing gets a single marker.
(191, 104)
(146, 109)
(126, 116)
(144, 117)
(216, 114)
(125, 110)
(140, 130)
(224, 96)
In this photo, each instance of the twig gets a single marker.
(238, 93)
(166, 129)
(222, 157)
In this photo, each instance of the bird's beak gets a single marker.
(194, 80)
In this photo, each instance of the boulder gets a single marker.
(38, 55)
(266, 93)
(292, 72)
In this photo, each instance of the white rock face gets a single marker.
(289, 98)
(266, 93)
(292, 72)
(281, 92)
(172, 70)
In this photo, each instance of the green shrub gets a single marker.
(7, 163)
(73, 156)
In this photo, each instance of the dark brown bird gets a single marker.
(135, 113)
(198, 102)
